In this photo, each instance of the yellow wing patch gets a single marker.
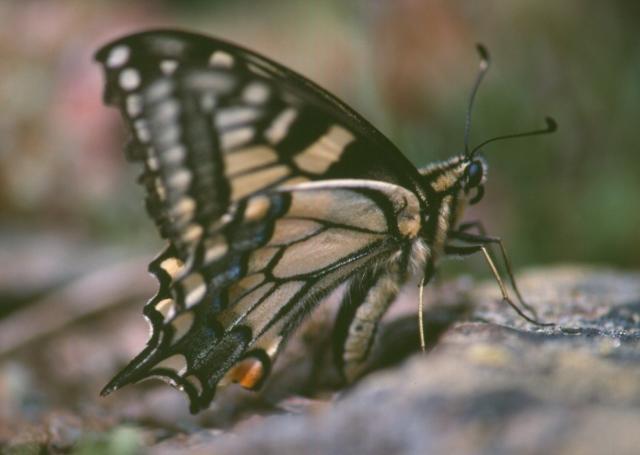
(325, 151)
(249, 158)
(247, 184)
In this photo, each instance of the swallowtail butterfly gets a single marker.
(271, 193)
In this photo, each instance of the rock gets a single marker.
(497, 386)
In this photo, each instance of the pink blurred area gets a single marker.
(60, 145)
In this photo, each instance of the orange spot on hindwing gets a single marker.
(249, 373)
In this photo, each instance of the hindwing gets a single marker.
(224, 315)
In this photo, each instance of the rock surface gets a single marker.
(490, 383)
(503, 386)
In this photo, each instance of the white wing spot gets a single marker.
(142, 131)
(174, 155)
(134, 105)
(129, 79)
(235, 138)
(180, 179)
(168, 66)
(280, 126)
(152, 163)
(256, 93)
(235, 115)
(221, 59)
(118, 56)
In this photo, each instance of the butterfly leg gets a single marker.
(461, 235)
(429, 271)
(469, 250)
(365, 302)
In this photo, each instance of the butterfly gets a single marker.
(271, 193)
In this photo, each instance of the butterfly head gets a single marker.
(462, 176)
(473, 179)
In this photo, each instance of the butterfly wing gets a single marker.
(224, 315)
(228, 139)
(213, 122)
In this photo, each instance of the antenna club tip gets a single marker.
(552, 125)
(484, 54)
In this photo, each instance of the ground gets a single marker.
(489, 383)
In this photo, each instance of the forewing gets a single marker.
(224, 316)
(214, 123)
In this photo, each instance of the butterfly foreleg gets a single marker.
(457, 250)
(484, 239)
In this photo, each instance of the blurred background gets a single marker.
(74, 237)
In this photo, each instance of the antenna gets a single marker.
(550, 128)
(483, 67)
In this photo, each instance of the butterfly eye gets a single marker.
(473, 175)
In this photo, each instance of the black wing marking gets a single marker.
(225, 315)
(213, 123)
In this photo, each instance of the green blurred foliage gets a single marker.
(122, 440)
(407, 65)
